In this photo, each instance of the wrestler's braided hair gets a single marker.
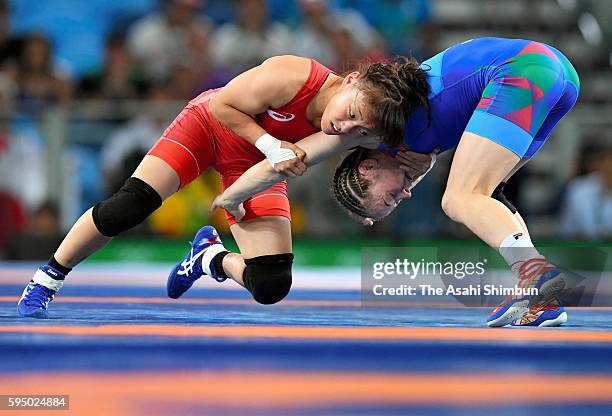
(348, 186)
(392, 92)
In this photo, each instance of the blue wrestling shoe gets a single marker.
(535, 273)
(197, 263)
(39, 292)
(551, 313)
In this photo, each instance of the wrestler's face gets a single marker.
(387, 185)
(346, 112)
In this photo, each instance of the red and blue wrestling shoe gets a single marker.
(550, 313)
(535, 273)
(39, 292)
(197, 263)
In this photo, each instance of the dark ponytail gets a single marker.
(393, 91)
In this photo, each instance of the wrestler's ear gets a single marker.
(351, 78)
(367, 166)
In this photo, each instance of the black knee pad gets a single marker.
(268, 278)
(498, 194)
(130, 206)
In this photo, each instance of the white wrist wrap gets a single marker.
(47, 281)
(271, 148)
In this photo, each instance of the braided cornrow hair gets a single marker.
(392, 92)
(347, 186)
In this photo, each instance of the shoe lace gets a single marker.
(188, 267)
(40, 295)
(188, 264)
(532, 314)
(546, 305)
(532, 269)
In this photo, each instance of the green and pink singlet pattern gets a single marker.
(511, 91)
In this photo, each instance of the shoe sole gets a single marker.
(36, 315)
(514, 312)
(549, 290)
(559, 320)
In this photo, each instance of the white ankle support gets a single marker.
(47, 281)
(209, 254)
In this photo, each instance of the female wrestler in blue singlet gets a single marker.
(497, 101)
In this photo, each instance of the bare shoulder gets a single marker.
(293, 65)
(289, 70)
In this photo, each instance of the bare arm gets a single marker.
(269, 85)
(261, 176)
(256, 90)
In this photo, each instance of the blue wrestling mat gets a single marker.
(132, 351)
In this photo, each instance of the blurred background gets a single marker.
(86, 87)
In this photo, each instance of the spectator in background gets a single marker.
(400, 22)
(124, 149)
(40, 230)
(588, 206)
(600, 37)
(22, 163)
(118, 79)
(323, 26)
(23, 209)
(5, 22)
(9, 53)
(44, 220)
(38, 84)
(12, 214)
(10, 44)
(173, 38)
(347, 52)
(12, 218)
(251, 39)
(187, 80)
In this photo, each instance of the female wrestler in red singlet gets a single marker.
(259, 114)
